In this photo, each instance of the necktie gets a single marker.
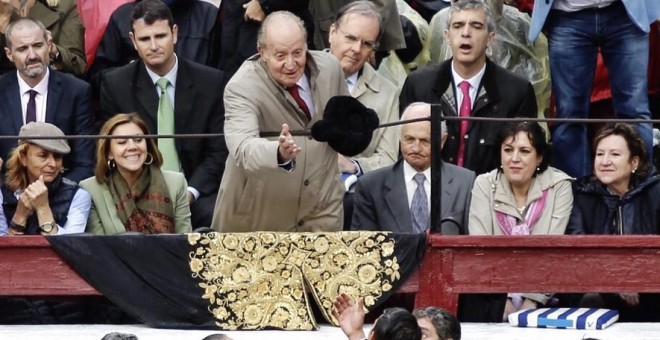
(465, 111)
(301, 103)
(31, 112)
(419, 209)
(166, 127)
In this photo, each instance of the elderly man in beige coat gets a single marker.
(285, 183)
(353, 38)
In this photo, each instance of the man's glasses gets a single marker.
(351, 39)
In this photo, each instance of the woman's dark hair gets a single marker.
(634, 142)
(536, 137)
(397, 324)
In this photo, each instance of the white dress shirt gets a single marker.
(305, 93)
(474, 85)
(40, 99)
(411, 185)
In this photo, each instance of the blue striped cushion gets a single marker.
(576, 318)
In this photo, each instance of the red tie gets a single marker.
(301, 103)
(465, 111)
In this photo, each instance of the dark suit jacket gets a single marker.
(501, 94)
(381, 200)
(198, 108)
(67, 107)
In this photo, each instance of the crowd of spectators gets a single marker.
(254, 73)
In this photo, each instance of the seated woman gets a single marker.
(129, 190)
(36, 198)
(621, 198)
(524, 196)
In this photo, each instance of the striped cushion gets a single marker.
(576, 318)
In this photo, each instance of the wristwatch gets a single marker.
(47, 227)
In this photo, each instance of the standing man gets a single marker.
(576, 31)
(397, 198)
(470, 84)
(286, 183)
(173, 96)
(353, 38)
(34, 92)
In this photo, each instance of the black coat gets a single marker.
(596, 211)
(501, 94)
(239, 37)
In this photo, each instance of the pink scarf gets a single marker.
(510, 225)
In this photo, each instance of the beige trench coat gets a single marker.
(255, 193)
(379, 94)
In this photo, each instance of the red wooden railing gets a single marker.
(452, 265)
(499, 264)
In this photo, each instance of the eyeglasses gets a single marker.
(351, 39)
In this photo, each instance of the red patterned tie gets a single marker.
(465, 111)
(301, 103)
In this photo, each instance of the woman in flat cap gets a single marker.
(37, 198)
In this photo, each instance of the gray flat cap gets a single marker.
(41, 129)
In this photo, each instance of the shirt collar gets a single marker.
(171, 75)
(474, 81)
(409, 172)
(41, 87)
(303, 83)
(353, 78)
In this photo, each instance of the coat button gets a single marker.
(306, 182)
(301, 223)
(481, 141)
(466, 136)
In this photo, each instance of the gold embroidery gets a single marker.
(255, 280)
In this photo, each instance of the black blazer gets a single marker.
(198, 108)
(501, 94)
(67, 107)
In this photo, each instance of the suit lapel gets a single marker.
(447, 183)
(110, 206)
(146, 96)
(54, 96)
(13, 100)
(184, 98)
(396, 198)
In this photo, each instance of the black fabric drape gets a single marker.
(176, 281)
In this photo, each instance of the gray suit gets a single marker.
(381, 201)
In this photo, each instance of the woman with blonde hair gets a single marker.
(37, 198)
(129, 190)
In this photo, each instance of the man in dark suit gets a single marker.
(36, 93)
(470, 84)
(385, 198)
(173, 96)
